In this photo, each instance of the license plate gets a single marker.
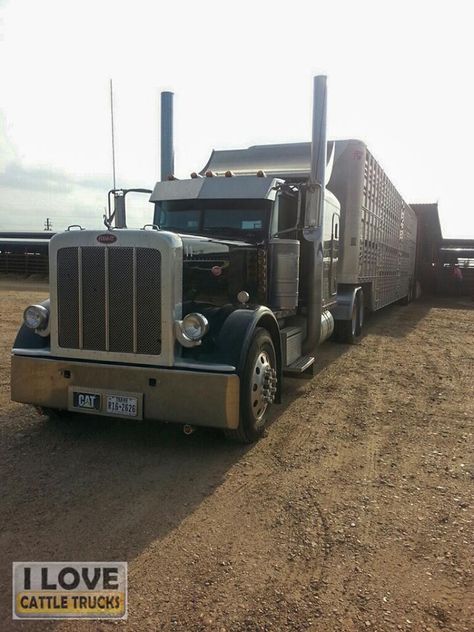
(86, 401)
(121, 405)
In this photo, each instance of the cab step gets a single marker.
(302, 367)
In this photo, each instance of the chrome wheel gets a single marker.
(262, 385)
(259, 388)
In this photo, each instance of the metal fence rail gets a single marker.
(23, 263)
(24, 254)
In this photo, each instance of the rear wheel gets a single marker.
(258, 388)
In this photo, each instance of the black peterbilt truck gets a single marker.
(247, 267)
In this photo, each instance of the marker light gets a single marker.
(261, 174)
(243, 297)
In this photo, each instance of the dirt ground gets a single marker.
(354, 513)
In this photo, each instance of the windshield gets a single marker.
(229, 220)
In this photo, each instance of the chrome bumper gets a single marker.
(188, 397)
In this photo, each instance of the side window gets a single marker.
(285, 215)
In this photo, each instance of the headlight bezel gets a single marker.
(41, 325)
(187, 333)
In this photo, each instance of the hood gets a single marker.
(215, 270)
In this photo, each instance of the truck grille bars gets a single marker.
(109, 299)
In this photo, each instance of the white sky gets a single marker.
(399, 78)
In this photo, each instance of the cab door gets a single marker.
(334, 254)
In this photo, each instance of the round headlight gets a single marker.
(194, 326)
(36, 317)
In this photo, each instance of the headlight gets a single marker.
(36, 317)
(195, 326)
(191, 329)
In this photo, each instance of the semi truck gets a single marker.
(247, 267)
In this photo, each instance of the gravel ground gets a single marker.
(354, 513)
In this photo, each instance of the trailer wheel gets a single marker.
(258, 388)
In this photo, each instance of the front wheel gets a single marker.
(258, 388)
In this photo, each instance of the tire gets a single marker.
(258, 381)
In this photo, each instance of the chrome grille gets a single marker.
(109, 299)
(93, 298)
(148, 311)
(68, 297)
(121, 299)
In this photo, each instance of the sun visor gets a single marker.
(216, 188)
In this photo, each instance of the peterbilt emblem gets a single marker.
(107, 238)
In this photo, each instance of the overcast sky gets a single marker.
(399, 78)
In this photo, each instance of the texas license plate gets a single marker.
(122, 405)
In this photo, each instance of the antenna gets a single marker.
(113, 130)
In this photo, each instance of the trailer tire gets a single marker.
(258, 381)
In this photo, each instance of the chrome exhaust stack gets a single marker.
(167, 145)
(313, 224)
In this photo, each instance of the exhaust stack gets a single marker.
(317, 176)
(167, 148)
(313, 227)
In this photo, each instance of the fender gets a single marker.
(27, 339)
(345, 302)
(236, 334)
